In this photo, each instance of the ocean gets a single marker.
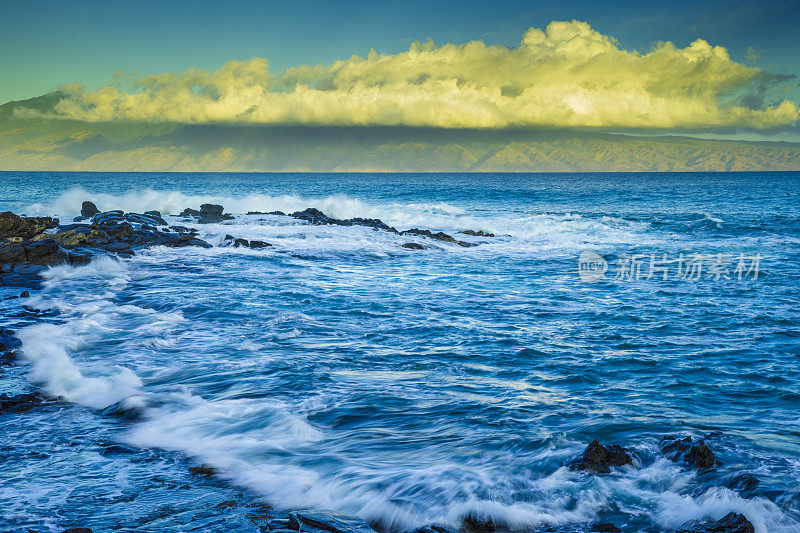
(338, 370)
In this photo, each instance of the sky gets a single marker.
(238, 61)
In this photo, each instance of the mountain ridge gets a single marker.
(31, 141)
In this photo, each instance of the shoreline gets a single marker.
(121, 234)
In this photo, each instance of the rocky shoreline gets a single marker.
(30, 245)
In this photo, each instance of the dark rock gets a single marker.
(211, 210)
(107, 218)
(184, 229)
(318, 218)
(77, 530)
(375, 223)
(226, 506)
(413, 246)
(241, 242)
(744, 484)
(697, 455)
(45, 252)
(327, 521)
(479, 233)
(465, 244)
(154, 213)
(119, 230)
(281, 213)
(701, 456)
(20, 403)
(24, 294)
(600, 459)
(730, 523)
(12, 254)
(88, 209)
(188, 212)
(439, 236)
(12, 225)
(80, 219)
(148, 219)
(606, 527)
(8, 341)
(259, 244)
(204, 470)
(473, 524)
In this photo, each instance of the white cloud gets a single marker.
(568, 75)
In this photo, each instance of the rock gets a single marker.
(730, 523)
(600, 459)
(413, 246)
(211, 210)
(439, 236)
(375, 223)
(226, 506)
(701, 456)
(8, 341)
(12, 225)
(183, 229)
(697, 455)
(149, 219)
(88, 209)
(478, 233)
(46, 252)
(80, 219)
(476, 525)
(12, 254)
(259, 244)
(606, 527)
(466, 244)
(744, 484)
(281, 213)
(154, 213)
(204, 470)
(241, 242)
(77, 530)
(108, 218)
(327, 521)
(20, 403)
(318, 218)
(24, 294)
(188, 212)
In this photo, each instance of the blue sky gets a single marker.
(46, 43)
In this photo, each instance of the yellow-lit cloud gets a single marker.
(568, 75)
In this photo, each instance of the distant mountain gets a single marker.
(28, 143)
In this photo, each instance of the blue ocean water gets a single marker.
(338, 370)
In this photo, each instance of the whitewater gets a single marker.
(338, 370)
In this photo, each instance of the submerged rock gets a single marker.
(600, 459)
(413, 246)
(259, 244)
(730, 523)
(21, 402)
(479, 233)
(77, 530)
(88, 209)
(697, 455)
(204, 470)
(327, 521)
(473, 524)
(606, 527)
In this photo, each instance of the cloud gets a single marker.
(568, 75)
